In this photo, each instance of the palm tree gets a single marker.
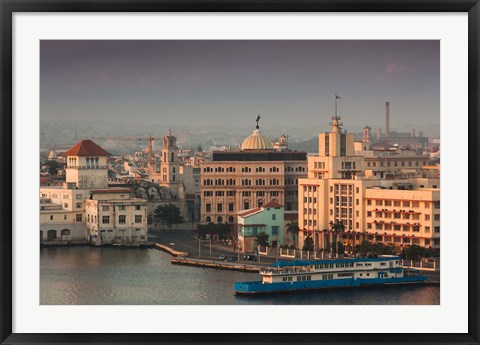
(293, 229)
(337, 228)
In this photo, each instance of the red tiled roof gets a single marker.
(44, 180)
(86, 148)
(249, 212)
(272, 204)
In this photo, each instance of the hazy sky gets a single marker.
(230, 82)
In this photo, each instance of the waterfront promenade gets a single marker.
(182, 241)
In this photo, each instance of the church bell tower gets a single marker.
(170, 166)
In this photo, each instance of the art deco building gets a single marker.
(250, 177)
(344, 185)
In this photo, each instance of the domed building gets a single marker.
(257, 141)
(249, 177)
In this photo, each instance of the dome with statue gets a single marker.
(257, 141)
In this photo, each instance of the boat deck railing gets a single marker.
(285, 270)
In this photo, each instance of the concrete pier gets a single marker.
(170, 250)
(215, 264)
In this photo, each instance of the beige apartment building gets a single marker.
(59, 224)
(248, 178)
(403, 216)
(342, 184)
(113, 215)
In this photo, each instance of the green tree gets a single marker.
(168, 215)
(159, 215)
(308, 243)
(223, 230)
(337, 228)
(293, 230)
(365, 248)
(151, 219)
(415, 252)
(262, 239)
(53, 167)
(338, 246)
(199, 148)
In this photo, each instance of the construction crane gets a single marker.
(149, 139)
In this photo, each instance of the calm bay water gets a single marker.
(87, 275)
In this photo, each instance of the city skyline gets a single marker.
(224, 82)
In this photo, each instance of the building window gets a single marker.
(219, 219)
(78, 217)
(78, 196)
(230, 207)
(437, 229)
(138, 207)
(275, 230)
(138, 218)
(208, 207)
(122, 219)
(105, 208)
(105, 219)
(246, 205)
(208, 219)
(78, 205)
(219, 207)
(121, 207)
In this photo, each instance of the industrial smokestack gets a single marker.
(387, 119)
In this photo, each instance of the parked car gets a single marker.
(222, 257)
(151, 236)
(250, 257)
(233, 258)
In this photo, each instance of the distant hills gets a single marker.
(309, 146)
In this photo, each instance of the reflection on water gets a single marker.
(86, 275)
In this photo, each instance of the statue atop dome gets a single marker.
(257, 141)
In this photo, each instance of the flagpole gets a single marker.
(335, 105)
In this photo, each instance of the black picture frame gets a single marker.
(8, 7)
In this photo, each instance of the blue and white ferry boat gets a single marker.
(300, 275)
